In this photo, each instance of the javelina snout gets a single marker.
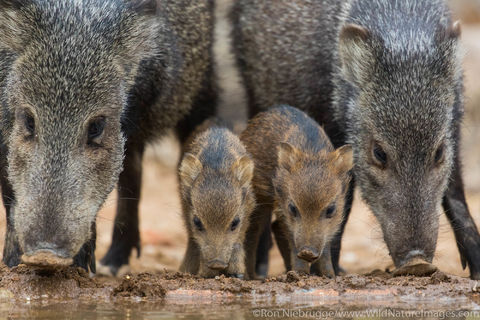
(217, 265)
(308, 254)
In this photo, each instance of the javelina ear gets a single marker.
(342, 158)
(288, 156)
(355, 53)
(189, 170)
(143, 6)
(13, 29)
(243, 170)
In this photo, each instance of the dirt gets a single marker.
(27, 283)
(151, 282)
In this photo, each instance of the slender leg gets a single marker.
(85, 258)
(456, 209)
(323, 266)
(236, 266)
(281, 237)
(260, 217)
(191, 260)
(126, 235)
(336, 243)
(11, 250)
(264, 245)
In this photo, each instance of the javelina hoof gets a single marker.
(46, 259)
(415, 267)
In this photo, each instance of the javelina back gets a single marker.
(217, 200)
(84, 85)
(302, 179)
(386, 77)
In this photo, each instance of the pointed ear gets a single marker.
(243, 170)
(143, 6)
(189, 170)
(356, 53)
(14, 30)
(342, 158)
(288, 156)
(140, 36)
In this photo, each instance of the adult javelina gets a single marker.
(386, 77)
(84, 85)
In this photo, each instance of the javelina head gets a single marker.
(402, 110)
(66, 71)
(310, 195)
(218, 204)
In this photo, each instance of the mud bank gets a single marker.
(439, 291)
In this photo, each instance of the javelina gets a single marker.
(85, 84)
(301, 179)
(217, 200)
(386, 77)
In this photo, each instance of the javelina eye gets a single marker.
(439, 154)
(198, 224)
(235, 223)
(379, 154)
(330, 211)
(95, 130)
(29, 123)
(293, 210)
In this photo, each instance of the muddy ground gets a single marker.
(153, 276)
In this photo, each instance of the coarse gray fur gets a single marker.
(381, 73)
(139, 65)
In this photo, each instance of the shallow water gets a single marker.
(233, 310)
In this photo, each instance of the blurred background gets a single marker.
(162, 231)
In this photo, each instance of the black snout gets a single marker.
(217, 265)
(308, 254)
(46, 247)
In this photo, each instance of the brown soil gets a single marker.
(164, 241)
(29, 283)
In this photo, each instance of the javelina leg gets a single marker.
(11, 250)
(236, 266)
(260, 217)
(323, 266)
(85, 258)
(456, 209)
(280, 232)
(336, 243)
(126, 235)
(191, 260)
(264, 245)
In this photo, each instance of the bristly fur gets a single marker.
(215, 187)
(295, 164)
(375, 73)
(141, 65)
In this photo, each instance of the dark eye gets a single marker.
(198, 224)
(379, 155)
(95, 129)
(330, 210)
(293, 210)
(29, 123)
(439, 154)
(235, 223)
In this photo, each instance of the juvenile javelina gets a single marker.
(84, 85)
(217, 200)
(384, 76)
(301, 179)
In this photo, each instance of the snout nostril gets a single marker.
(308, 254)
(217, 265)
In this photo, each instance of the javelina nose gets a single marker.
(217, 265)
(46, 254)
(308, 254)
